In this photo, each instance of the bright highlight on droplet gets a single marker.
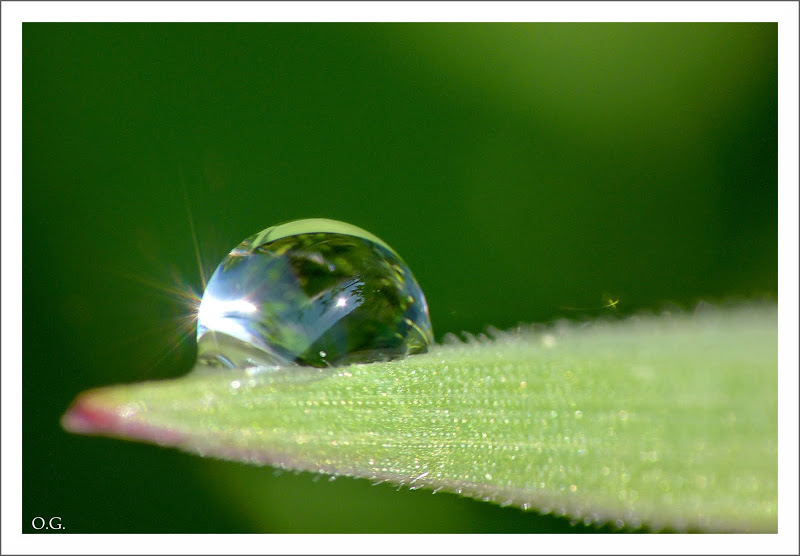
(213, 309)
(311, 292)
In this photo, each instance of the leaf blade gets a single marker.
(662, 421)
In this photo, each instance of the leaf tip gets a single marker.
(93, 413)
(84, 417)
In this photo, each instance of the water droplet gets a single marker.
(311, 292)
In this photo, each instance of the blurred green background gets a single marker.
(521, 170)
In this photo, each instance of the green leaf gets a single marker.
(665, 421)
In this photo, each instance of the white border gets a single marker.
(786, 13)
(499, 11)
(788, 148)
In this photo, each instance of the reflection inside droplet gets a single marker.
(312, 292)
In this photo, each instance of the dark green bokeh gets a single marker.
(521, 170)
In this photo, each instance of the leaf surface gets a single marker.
(665, 421)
